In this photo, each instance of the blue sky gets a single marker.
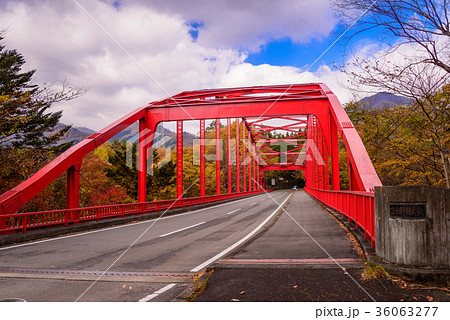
(287, 53)
(319, 51)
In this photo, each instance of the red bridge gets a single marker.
(310, 112)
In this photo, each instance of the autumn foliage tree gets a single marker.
(401, 142)
(414, 63)
(96, 188)
(122, 157)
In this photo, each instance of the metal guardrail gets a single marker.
(22, 222)
(357, 206)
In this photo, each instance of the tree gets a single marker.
(25, 120)
(424, 23)
(401, 142)
(123, 170)
(417, 65)
(96, 188)
(26, 141)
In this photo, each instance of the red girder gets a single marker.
(218, 145)
(179, 159)
(202, 158)
(278, 166)
(238, 162)
(244, 156)
(283, 102)
(229, 154)
(289, 140)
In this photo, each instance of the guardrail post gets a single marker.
(2, 223)
(24, 223)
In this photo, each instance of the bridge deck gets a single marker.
(165, 254)
(304, 234)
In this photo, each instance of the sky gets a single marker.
(127, 53)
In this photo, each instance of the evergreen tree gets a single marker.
(24, 117)
(26, 141)
(125, 173)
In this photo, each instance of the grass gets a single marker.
(374, 270)
(199, 286)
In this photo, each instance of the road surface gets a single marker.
(153, 260)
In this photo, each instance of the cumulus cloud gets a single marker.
(62, 42)
(245, 74)
(251, 23)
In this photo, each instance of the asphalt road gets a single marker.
(149, 261)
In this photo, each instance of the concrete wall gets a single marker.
(403, 236)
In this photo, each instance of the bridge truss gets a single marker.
(311, 113)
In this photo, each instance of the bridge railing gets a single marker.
(357, 206)
(22, 222)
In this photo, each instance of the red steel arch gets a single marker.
(324, 119)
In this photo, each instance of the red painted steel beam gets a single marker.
(179, 159)
(335, 177)
(229, 154)
(238, 162)
(73, 186)
(250, 154)
(258, 185)
(202, 158)
(253, 167)
(244, 163)
(272, 167)
(365, 174)
(318, 107)
(218, 144)
(142, 160)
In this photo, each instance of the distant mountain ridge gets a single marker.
(384, 100)
(78, 134)
(75, 134)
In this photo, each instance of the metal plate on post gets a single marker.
(408, 210)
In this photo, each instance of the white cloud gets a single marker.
(249, 24)
(59, 40)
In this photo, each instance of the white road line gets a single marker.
(157, 293)
(248, 236)
(234, 211)
(122, 226)
(179, 230)
(252, 204)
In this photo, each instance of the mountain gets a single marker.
(131, 134)
(77, 134)
(383, 100)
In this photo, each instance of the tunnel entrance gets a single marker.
(284, 179)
